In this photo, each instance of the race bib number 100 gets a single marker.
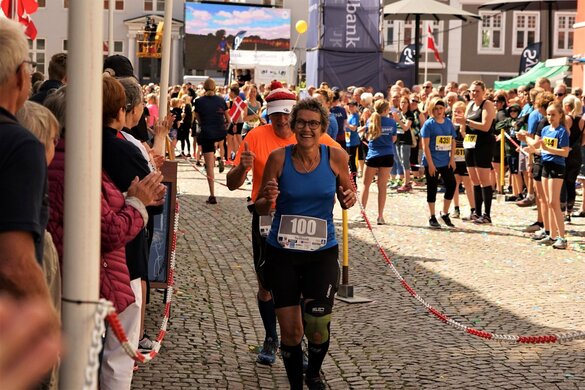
(302, 233)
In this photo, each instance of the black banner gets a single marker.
(408, 54)
(530, 57)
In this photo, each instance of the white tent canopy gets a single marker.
(267, 65)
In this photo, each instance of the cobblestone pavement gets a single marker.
(492, 278)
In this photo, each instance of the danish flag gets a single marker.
(431, 43)
(24, 8)
(237, 109)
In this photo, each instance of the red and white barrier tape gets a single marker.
(542, 339)
(518, 147)
(117, 328)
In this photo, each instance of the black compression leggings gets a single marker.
(433, 182)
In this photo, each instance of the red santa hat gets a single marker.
(279, 100)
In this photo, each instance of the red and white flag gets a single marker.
(24, 8)
(431, 43)
(237, 109)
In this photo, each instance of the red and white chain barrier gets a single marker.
(542, 339)
(116, 326)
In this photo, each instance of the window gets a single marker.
(37, 53)
(526, 30)
(42, 3)
(389, 38)
(564, 33)
(491, 33)
(403, 34)
(154, 5)
(119, 5)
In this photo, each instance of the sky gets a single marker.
(268, 23)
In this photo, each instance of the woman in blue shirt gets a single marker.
(352, 138)
(302, 181)
(554, 148)
(438, 142)
(381, 134)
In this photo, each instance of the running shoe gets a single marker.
(535, 227)
(539, 235)
(560, 243)
(483, 220)
(567, 218)
(548, 240)
(447, 220)
(472, 217)
(211, 200)
(511, 198)
(315, 383)
(267, 355)
(404, 188)
(433, 223)
(578, 214)
(527, 202)
(380, 221)
(456, 213)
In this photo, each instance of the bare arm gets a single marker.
(269, 189)
(20, 274)
(345, 191)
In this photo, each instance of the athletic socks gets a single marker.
(268, 318)
(487, 193)
(292, 356)
(478, 196)
(317, 354)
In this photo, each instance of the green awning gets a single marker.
(539, 70)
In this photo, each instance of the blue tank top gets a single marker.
(305, 194)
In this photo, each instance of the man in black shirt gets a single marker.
(23, 178)
(57, 77)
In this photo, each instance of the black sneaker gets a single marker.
(433, 223)
(315, 383)
(447, 220)
(267, 355)
(483, 220)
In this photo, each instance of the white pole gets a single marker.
(81, 258)
(426, 45)
(111, 5)
(166, 59)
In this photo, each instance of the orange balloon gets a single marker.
(301, 26)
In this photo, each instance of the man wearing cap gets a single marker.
(252, 154)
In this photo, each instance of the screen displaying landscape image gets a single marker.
(212, 30)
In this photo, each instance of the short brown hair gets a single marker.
(58, 66)
(114, 99)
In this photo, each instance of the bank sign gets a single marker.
(344, 25)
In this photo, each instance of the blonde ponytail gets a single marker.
(375, 128)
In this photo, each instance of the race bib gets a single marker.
(265, 224)
(550, 142)
(469, 141)
(443, 143)
(302, 233)
(459, 155)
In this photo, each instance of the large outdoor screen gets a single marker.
(213, 29)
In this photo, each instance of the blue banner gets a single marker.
(345, 25)
(530, 57)
(408, 54)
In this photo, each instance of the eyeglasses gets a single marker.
(428, 86)
(559, 94)
(313, 125)
(31, 64)
(414, 101)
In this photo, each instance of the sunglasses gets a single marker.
(559, 94)
(414, 101)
